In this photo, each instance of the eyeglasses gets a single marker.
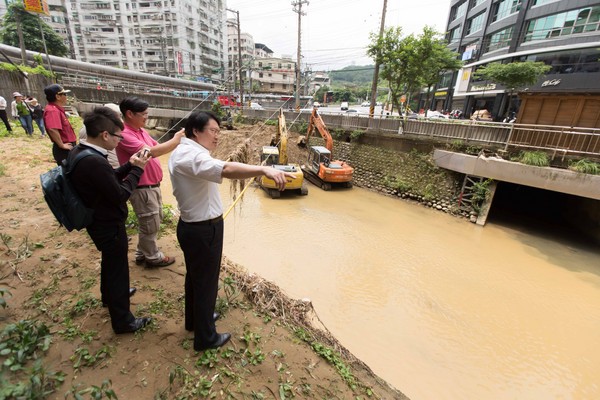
(214, 131)
(115, 135)
(61, 94)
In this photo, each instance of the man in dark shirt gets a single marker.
(106, 191)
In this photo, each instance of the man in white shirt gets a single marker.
(195, 177)
(3, 114)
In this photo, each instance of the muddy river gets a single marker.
(438, 307)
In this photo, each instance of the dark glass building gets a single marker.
(564, 34)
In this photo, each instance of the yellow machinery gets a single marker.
(276, 157)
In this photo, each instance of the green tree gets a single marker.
(31, 32)
(436, 58)
(513, 76)
(400, 64)
(411, 62)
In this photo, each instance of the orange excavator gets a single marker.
(321, 169)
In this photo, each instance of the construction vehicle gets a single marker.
(275, 156)
(321, 169)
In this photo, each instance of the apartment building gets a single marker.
(180, 38)
(563, 34)
(245, 47)
(263, 72)
(273, 75)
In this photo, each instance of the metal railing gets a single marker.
(583, 142)
(556, 140)
(476, 131)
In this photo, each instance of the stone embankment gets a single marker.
(409, 175)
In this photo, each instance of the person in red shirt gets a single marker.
(146, 200)
(57, 124)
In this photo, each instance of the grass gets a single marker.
(586, 167)
(535, 158)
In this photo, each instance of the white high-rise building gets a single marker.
(179, 38)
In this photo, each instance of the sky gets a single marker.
(335, 33)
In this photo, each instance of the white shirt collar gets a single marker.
(102, 150)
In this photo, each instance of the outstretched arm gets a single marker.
(234, 170)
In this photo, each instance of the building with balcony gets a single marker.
(562, 34)
(179, 38)
(273, 75)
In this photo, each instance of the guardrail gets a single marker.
(557, 140)
(583, 142)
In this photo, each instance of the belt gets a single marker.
(148, 186)
(208, 221)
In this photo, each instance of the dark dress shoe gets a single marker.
(222, 338)
(136, 325)
(132, 291)
(216, 316)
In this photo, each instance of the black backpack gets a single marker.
(63, 200)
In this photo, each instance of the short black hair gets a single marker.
(102, 119)
(134, 104)
(198, 120)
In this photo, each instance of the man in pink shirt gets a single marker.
(57, 124)
(146, 200)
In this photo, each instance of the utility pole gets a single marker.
(46, 48)
(298, 9)
(20, 36)
(376, 71)
(239, 56)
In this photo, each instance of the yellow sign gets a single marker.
(36, 6)
(441, 94)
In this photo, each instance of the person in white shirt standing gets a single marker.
(3, 115)
(195, 177)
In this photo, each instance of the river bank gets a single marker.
(50, 282)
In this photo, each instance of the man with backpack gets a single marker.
(106, 190)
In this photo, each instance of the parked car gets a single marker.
(256, 106)
(435, 114)
(344, 106)
(365, 104)
(316, 104)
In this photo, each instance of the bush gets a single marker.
(356, 134)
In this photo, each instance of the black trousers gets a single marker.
(112, 242)
(4, 119)
(202, 247)
(60, 154)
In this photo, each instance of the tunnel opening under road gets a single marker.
(546, 213)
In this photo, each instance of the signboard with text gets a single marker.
(36, 6)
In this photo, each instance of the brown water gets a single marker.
(438, 307)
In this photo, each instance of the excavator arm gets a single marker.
(282, 138)
(316, 122)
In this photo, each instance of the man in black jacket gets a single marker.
(106, 191)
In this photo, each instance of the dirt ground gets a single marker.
(52, 277)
